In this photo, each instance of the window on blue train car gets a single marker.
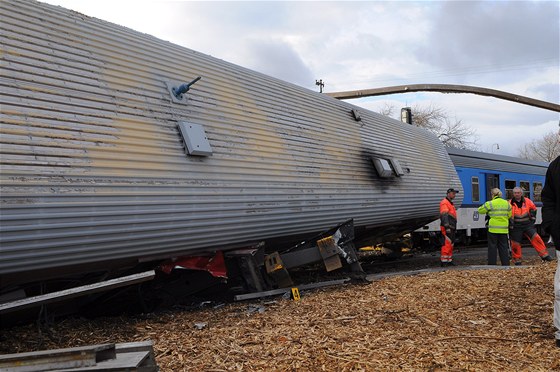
(537, 188)
(526, 186)
(510, 184)
(475, 189)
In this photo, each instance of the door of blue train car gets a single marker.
(492, 181)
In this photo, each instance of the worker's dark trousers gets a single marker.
(499, 243)
(557, 296)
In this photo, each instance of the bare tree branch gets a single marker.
(387, 110)
(436, 120)
(545, 149)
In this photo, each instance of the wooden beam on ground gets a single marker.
(47, 360)
(130, 356)
(76, 292)
(280, 291)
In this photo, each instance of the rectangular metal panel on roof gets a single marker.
(94, 166)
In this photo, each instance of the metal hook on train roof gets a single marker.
(183, 88)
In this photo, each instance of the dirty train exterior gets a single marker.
(105, 162)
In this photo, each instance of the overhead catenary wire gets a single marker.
(551, 62)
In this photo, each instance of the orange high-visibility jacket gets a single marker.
(524, 215)
(448, 214)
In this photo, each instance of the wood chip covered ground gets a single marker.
(482, 320)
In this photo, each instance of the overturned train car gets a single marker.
(110, 160)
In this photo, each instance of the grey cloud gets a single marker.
(233, 18)
(278, 59)
(548, 92)
(467, 33)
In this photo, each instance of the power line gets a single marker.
(463, 71)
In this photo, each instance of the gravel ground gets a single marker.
(480, 320)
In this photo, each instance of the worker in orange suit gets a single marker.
(523, 215)
(448, 218)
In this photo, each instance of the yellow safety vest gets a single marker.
(499, 211)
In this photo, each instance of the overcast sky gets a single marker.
(512, 46)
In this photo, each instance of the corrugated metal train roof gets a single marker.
(94, 167)
(494, 162)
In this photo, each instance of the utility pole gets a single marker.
(320, 84)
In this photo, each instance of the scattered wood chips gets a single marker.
(453, 320)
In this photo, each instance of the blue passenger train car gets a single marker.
(480, 172)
